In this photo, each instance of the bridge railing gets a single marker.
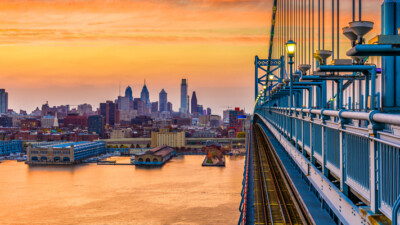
(244, 193)
(353, 149)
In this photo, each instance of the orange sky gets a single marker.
(77, 51)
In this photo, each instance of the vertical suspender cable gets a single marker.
(354, 10)
(337, 29)
(359, 10)
(323, 24)
(309, 32)
(333, 29)
(319, 24)
(313, 35)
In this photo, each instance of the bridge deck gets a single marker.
(274, 200)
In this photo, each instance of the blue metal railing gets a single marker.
(244, 193)
(342, 147)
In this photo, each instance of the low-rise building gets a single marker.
(155, 157)
(121, 133)
(164, 137)
(64, 153)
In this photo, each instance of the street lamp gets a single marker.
(291, 50)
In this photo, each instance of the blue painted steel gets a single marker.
(332, 147)
(306, 133)
(389, 176)
(317, 138)
(357, 160)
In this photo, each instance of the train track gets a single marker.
(275, 201)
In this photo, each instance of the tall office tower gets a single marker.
(184, 88)
(145, 96)
(163, 101)
(128, 93)
(3, 101)
(188, 105)
(109, 111)
(194, 103)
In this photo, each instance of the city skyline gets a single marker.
(83, 59)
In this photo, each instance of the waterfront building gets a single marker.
(155, 157)
(8, 147)
(3, 101)
(184, 88)
(128, 93)
(145, 96)
(165, 137)
(109, 111)
(96, 125)
(64, 153)
(194, 103)
(163, 101)
(208, 111)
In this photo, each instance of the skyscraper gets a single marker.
(128, 93)
(194, 103)
(109, 111)
(3, 101)
(145, 96)
(184, 106)
(163, 101)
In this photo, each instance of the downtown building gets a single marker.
(109, 111)
(96, 125)
(184, 97)
(3, 101)
(163, 100)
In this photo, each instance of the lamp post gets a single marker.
(291, 50)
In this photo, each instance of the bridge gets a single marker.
(324, 143)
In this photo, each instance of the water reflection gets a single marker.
(181, 192)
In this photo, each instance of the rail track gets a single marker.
(275, 201)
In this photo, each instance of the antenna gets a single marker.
(119, 92)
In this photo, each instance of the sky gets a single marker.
(88, 51)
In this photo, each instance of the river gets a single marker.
(181, 192)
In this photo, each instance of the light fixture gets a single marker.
(270, 77)
(265, 87)
(290, 48)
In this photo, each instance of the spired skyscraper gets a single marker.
(184, 96)
(145, 96)
(3, 101)
(128, 93)
(163, 101)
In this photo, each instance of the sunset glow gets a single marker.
(81, 51)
